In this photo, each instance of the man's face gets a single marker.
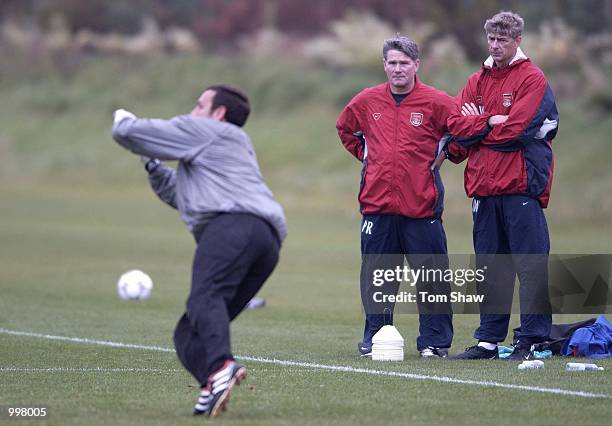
(502, 48)
(400, 70)
(204, 105)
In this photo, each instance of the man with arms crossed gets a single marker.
(394, 130)
(220, 193)
(505, 125)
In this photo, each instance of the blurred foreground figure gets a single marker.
(504, 125)
(220, 194)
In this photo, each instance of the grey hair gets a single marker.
(403, 44)
(505, 23)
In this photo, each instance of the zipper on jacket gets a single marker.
(395, 143)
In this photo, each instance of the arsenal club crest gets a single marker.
(376, 115)
(507, 99)
(416, 118)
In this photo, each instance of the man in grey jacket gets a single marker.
(221, 196)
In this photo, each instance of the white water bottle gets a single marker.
(580, 366)
(528, 365)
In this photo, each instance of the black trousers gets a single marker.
(385, 240)
(235, 255)
(513, 228)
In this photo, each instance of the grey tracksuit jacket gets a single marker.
(217, 168)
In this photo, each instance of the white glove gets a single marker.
(122, 114)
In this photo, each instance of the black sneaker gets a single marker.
(221, 384)
(477, 352)
(365, 349)
(431, 352)
(521, 353)
(203, 404)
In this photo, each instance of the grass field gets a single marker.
(76, 213)
(63, 249)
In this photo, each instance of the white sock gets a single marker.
(487, 345)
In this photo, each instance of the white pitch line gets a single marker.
(81, 340)
(444, 379)
(339, 368)
(86, 370)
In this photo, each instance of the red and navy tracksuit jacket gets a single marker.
(510, 166)
(397, 143)
(399, 194)
(514, 157)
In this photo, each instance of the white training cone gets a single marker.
(388, 345)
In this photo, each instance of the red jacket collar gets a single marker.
(519, 58)
(417, 84)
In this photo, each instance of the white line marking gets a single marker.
(425, 377)
(81, 340)
(339, 368)
(86, 370)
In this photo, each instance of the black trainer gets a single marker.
(432, 352)
(221, 384)
(365, 349)
(477, 352)
(203, 404)
(521, 353)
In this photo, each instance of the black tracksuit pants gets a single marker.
(235, 255)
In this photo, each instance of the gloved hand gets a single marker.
(150, 164)
(122, 114)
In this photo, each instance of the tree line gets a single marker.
(218, 24)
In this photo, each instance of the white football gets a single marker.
(134, 285)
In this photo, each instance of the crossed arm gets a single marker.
(468, 108)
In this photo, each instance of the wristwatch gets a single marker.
(152, 164)
(445, 151)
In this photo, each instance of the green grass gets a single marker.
(63, 249)
(76, 212)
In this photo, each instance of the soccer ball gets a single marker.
(134, 285)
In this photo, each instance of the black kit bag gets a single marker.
(559, 336)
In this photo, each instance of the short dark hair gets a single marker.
(235, 102)
(403, 44)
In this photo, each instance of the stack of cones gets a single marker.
(388, 345)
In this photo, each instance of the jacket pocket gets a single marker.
(438, 188)
(364, 166)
